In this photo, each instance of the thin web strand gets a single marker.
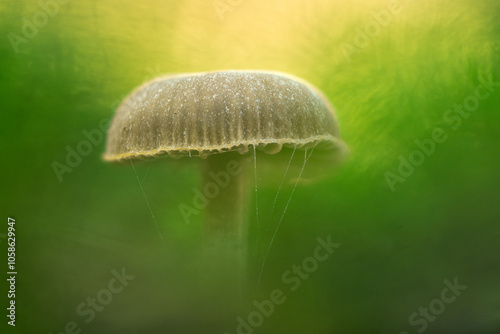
(146, 175)
(306, 158)
(281, 185)
(146, 198)
(259, 236)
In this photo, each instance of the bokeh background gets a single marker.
(66, 74)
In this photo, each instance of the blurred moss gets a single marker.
(397, 248)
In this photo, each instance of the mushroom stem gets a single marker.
(224, 184)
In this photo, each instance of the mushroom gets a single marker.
(231, 120)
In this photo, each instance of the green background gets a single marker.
(397, 247)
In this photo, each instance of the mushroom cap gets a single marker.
(215, 112)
